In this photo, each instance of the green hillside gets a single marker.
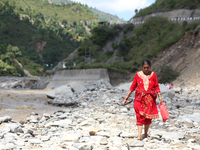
(70, 12)
(146, 42)
(166, 5)
(44, 33)
(99, 14)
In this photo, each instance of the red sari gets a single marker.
(146, 91)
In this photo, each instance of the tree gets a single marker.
(14, 49)
(74, 23)
(171, 3)
(136, 11)
(9, 56)
(64, 22)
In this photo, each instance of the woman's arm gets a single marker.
(157, 89)
(132, 88)
(127, 96)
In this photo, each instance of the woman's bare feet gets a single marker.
(139, 138)
(147, 136)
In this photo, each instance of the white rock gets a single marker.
(5, 119)
(191, 140)
(128, 135)
(61, 123)
(102, 133)
(70, 138)
(35, 141)
(124, 110)
(19, 143)
(136, 143)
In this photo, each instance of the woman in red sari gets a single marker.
(146, 89)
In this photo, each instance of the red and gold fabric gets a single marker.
(146, 89)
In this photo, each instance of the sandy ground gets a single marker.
(18, 104)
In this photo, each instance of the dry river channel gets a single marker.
(98, 123)
(18, 104)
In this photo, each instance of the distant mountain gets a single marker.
(99, 14)
(167, 5)
(60, 1)
(106, 16)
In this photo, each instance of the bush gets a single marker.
(115, 46)
(167, 75)
(100, 35)
(128, 27)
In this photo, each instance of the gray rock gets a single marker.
(173, 135)
(61, 123)
(15, 127)
(165, 92)
(64, 90)
(77, 86)
(5, 119)
(66, 101)
(83, 146)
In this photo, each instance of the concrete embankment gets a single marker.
(178, 14)
(64, 77)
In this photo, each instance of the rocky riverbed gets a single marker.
(95, 120)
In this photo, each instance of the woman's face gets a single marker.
(146, 69)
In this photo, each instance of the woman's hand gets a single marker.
(161, 100)
(125, 99)
(160, 97)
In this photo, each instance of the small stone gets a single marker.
(45, 138)
(34, 141)
(93, 131)
(191, 141)
(102, 133)
(70, 138)
(124, 110)
(104, 141)
(83, 146)
(128, 135)
(5, 119)
(136, 143)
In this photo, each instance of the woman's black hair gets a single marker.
(146, 62)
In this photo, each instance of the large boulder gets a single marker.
(77, 86)
(165, 92)
(64, 90)
(124, 86)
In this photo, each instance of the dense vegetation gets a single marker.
(41, 32)
(167, 74)
(166, 5)
(146, 42)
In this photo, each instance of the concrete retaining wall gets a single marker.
(188, 14)
(67, 76)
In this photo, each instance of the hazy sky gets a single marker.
(122, 8)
